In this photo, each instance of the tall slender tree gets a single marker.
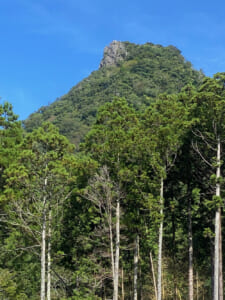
(111, 142)
(166, 121)
(37, 183)
(210, 133)
(105, 194)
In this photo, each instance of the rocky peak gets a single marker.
(115, 52)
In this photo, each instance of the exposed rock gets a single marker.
(113, 53)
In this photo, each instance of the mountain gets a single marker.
(137, 72)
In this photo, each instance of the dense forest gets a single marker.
(134, 210)
(138, 73)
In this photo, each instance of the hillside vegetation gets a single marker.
(137, 212)
(137, 72)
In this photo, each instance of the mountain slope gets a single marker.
(136, 72)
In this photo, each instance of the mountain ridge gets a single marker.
(137, 72)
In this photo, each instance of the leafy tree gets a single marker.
(37, 183)
(8, 286)
(106, 195)
(210, 131)
(11, 135)
(166, 121)
(111, 142)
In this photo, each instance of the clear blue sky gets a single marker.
(47, 46)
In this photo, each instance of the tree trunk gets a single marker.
(190, 251)
(220, 263)
(49, 257)
(43, 246)
(111, 245)
(123, 295)
(160, 244)
(212, 265)
(117, 252)
(136, 267)
(216, 258)
(153, 275)
(43, 256)
(174, 257)
(140, 289)
(217, 230)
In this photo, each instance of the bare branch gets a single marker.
(195, 147)
(199, 134)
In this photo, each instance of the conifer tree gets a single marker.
(37, 183)
(166, 122)
(111, 142)
(11, 135)
(210, 133)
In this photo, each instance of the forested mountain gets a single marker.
(136, 212)
(137, 72)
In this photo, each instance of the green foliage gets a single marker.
(166, 121)
(39, 180)
(83, 296)
(11, 134)
(210, 106)
(196, 199)
(147, 71)
(138, 147)
(9, 288)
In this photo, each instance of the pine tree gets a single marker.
(111, 142)
(166, 122)
(210, 133)
(37, 183)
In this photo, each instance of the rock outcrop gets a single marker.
(114, 53)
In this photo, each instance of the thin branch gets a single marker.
(198, 133)
(195, 147)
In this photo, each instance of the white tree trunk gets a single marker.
(111, 244)
(212, 265)
(43, 256)
(136, 251)
(220, 262)
(117, 252)
(216, 258)
(190, 251)
(160, 245)
(49, 257)
(153, 274)
(217, 230)
(43, 246)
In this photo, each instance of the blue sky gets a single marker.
(47, 46)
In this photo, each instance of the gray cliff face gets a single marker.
(113, 53)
